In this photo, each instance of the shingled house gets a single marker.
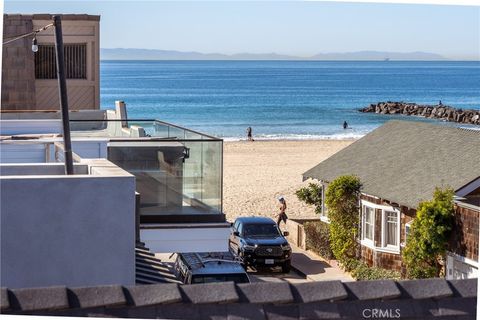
(399, 165)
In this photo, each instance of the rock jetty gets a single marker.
(439, 111)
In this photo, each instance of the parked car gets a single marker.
(258, 242)
(207, 267)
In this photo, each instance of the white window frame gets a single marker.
(385, 229)
(371, 244)
(408, 226)
(324, 212)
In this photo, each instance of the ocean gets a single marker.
(283, 99)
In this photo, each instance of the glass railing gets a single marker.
(178, 171)
(134, 129)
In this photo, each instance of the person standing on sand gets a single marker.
(249, 134)
(282, 216)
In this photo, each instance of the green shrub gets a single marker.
(311, 195)
(317, 238)
(342, 198)
(361, 271)
(428, 239)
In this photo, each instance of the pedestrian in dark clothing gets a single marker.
(282, 216)
(345, 125)
(249, 134)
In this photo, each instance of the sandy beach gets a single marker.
(256, 173)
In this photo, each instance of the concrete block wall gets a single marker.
(18, 65)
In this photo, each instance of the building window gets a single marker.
(391, 228)
(408, 226)
(75, 61)
(388, 230)
(368, 221)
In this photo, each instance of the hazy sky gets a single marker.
(297, 28)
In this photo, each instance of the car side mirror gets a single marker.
(231, 224)
(286, 233)
(236, 233)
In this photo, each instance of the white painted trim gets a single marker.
(27, 126)
(186, 239)
(467, 205)
(409, 225)
(468, 188)
(463, 259)
(377, 206)
(369, 195)
(368, 242)
(324, 219)
(380, 249)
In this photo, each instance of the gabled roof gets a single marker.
(403, 161)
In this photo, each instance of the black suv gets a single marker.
(259, 243)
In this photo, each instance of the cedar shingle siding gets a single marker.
(464, 240)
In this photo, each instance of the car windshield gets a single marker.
(261, 230)
(237, 278)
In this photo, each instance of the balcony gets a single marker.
(178, 171)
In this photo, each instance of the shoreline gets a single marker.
(233, 140)
(257, 173)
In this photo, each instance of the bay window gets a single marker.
(386, 230)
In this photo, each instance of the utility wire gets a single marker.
(28, 34)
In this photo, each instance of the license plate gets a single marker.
(269, 261)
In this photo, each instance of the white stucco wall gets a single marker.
(67, 230)
(186, 238)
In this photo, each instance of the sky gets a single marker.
(294, 28)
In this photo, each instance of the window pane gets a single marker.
(391, 228)
(368, 218)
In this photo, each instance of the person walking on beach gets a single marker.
(345, 125)
(249, 134)
(282, 216)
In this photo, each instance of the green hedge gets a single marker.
(361, 271)
(317, 238)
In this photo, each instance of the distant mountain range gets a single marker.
(147, 54)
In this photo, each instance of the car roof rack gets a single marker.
(196, 260)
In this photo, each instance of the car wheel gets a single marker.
(286, 267)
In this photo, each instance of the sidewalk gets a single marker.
(314, 268)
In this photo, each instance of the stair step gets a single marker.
(154, 272)
(155, 278)
(153, 261)
(152, 266)
(146, 281)
(143, 250)
(144, 254)
(138, 281)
